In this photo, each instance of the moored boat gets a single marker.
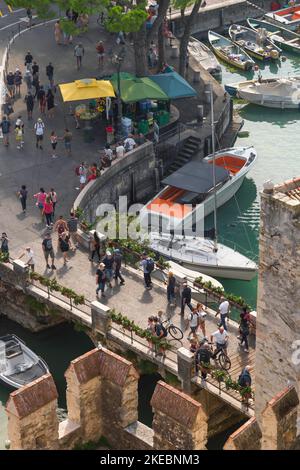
(200, 254)
(231, 53)
(188, 195)
(283, 93)
(257, 45)
(284, 38)
(287, 17)
(19, 365)
(232, 88)
(204, 56)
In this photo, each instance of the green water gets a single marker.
(276, 137)
(57, 346)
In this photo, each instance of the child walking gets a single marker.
(53, 140)
(19, 138)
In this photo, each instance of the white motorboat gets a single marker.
(18, 364)
(232, 88)
(283, 93)
(201, 255)
(204, 56)
(188, 195)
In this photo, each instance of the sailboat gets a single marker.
(199, 253)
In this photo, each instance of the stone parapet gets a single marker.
(247, 437)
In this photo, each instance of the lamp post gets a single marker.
(117, 60)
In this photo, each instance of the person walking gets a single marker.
(18, 81)
(53, 196)
(50, 103)
(223, 311)
(117, 266)
(202, 360)
(41, 97)
(48, 211)
(36, 84)
(244, 381)
(35, 69)
(108, 262)
(100, 279)
(171, 289)
(57, 32)
(147, 264)
(60, 227)
(5, 127)
(29, 100)
(186, 298)
(40, 200)
(201, 318)
(47, 247)
(50, 73)
(73, 228)
(53, 141)
(4, 245)
(64, 245)
(95, 246)
(28, 60)
(67, 138)
(29, 256)
(193, 321)
(29, 16)
(79, 53)
(100, 52)
(19, 138)
(10, 83)
(28, 79)
(22, 194)
(244, 329)
(39, 128)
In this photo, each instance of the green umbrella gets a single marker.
(123, 76)
(139, 89)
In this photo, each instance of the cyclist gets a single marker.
(221, 339)
(202, 359)
(160, 332)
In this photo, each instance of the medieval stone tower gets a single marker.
(278, 310)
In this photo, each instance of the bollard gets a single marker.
(174, 52)
(200, 112)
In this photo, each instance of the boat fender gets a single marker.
(274, 54)
(256, 67)
(283, 58)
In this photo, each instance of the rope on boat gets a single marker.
(256, 6)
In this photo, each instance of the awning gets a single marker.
(86, 89)
(174, 85)
(196, 177)
(139, 89)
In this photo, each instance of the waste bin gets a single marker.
(88, 134)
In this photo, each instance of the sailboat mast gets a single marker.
(214, 166)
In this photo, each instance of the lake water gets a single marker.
(275, 135)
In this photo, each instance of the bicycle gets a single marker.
(222, 358)
(174, 331)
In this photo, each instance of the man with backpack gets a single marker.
(202, 359)
(48, 251)
(148, 265)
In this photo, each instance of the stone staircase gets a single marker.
(189, 149)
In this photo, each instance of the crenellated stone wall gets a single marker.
(277, 361)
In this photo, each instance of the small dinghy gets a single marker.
(204, 56)
(284, 38)
(18, 364)
(229, 52)
(258, 45)
(287, 17)
(283, 93)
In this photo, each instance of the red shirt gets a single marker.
(48, 207)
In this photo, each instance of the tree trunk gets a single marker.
(161, 48)
(162, 12)
(140, 52)
(189, 20)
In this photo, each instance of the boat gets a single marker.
(19, 365)
(257, 45)
(284, 38)
(229, 52)
(200, 254)
(188, 195)
(287, 17)
(232, 88)
(204, 56)
(283, 93)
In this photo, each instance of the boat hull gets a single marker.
(268, 103)
(226, 272)
(226, 59)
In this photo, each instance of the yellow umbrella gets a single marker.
(86, 89)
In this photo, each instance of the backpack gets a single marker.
(160, 328)
(150, 265)
(241, 380)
